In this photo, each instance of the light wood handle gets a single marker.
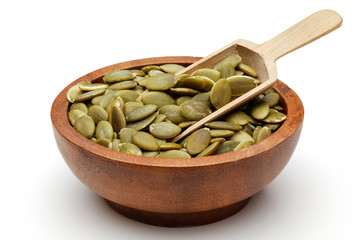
(300, 34)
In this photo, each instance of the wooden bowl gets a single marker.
(176, 192)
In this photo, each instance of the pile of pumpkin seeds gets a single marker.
(139, 111)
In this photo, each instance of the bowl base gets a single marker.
(179, 219)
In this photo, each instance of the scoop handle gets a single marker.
(300, 34)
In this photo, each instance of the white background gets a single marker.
(45, 45)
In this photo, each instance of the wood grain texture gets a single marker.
(263, 57)
(173, 192)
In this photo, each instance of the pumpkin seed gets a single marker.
(233, 59)
(182, 99)
(158, 98)
(183, 91)
(210, 150)
(247, 69)
(263, 133)
(145, 141)
(118, 120)
(146, 69)
(117, 101)
(186, 124)
(123, 85)
(97, 113)
(198, 141)
(104, 142)
(274, 117)
(138, 72)
(223, 125)
(194, 82)
(173, 154)
(88, 95)
(131, 106)
(238, 117)
(139, 125)
(154, 72)
(260, 110)
(221, 133)
(220, 94)
(129, 148)
(80, 106)
(194, 110)
(272, 99)
(104, 130)
(141, 113)
(240, 84)
(171, 68)
(126, 134)
(127, 95)
(88, 86)
(75, 114)
(150, 153)
(203, 97)
(107, 98)
(164, 130)
(119, 75)
(241, 136)
(162, 82)
(227, 70)
(159, 118)
(244, 144)
(172, 113)
(227, 146)
(218, 139)
(85, 126)
(170, 146)
(73, 93)
(207, 72)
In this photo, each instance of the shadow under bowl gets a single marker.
(174, 191)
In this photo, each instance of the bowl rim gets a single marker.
(290, 101)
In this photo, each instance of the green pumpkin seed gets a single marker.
(150, 153)
(241, 84)
(139, 125)
(146, 69)
(183, 91)
(172, 113)
(164, 130)
(182, 99)
(219, 139)
(129, 148)
(142, 81)
(207, 72)
(203, 97)
(126, 134)
(123, 85)
(73, 93)
(244, 144)
(263, 133)
(88, 86)
(198, 141)
(141, 113)
(227, 146)
(260, 110)
(247, 69)
(220, 94)
(138, 72)
(194, 82)
(162, 82)
(119, 75)
(159, 118)
(89, 95)
(210, 150)
(171, 68)
(233, 59)
(194, 110)
(241, 136)
(170, 146)
(186, 124)
(158, 98)
(153, 73)
(272, 126)
(115, 144)
(272, 99)
(104, 142)
(80, 106)
(107, 98)
(274, 117)
(145, 141)
(227, 70)
(127, 95)
(117, 101)
(173, 154)
(131, 106)
(85, 126)
(96, 100)
(104, 130)
(223, 125)
(75, 114)
(221, 133)
(118, 120)
(97, 113)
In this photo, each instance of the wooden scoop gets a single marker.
(262, 58)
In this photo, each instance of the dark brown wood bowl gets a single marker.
(176, 192)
